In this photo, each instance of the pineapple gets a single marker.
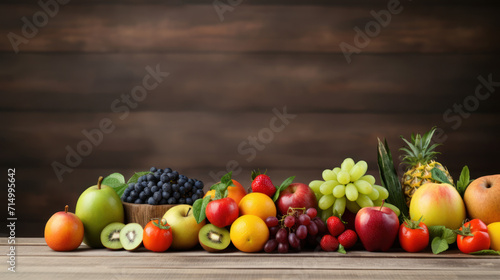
(419, 155)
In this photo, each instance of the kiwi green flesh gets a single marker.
(110, 236)
(131, 236)
(213, 238)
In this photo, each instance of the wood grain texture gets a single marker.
(34, 258)
(247, 82)
(254, 28)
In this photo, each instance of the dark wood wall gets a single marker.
(226, 78)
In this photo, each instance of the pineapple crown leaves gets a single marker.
(419, 150)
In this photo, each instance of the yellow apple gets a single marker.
(482, 199)
(184, 227)
(439, 205)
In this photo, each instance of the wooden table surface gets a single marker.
(35, 260)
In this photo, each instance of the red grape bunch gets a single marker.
(293, 231)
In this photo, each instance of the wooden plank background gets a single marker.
(226, 78)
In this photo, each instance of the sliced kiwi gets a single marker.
(213, 239)
(131, 236)
(110, 236)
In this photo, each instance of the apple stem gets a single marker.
(66, 208)
(99, 182)
(187, 214)
(382, 205)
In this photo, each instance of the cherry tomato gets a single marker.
(413, 236)
(157, 236)
(473, 236)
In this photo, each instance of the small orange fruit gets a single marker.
(257, 204)
(64, 231)
(236, 193)
(249, 233)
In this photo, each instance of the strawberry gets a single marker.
(335, 225)
(262, 183)
(348, 238)
(329, 243)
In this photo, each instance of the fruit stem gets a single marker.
(99, 182)
(381, 205)
(66, 208)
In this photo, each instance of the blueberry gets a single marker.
(182, 200)
(164, 178)
(171, 176)
(177, 195)
(175, 173)
(157, 196)
(151, 201)
(150, 177)
(133, 194)
(175, 187)
(138, 187)
(165, 194)
(139, 201)
(159, 184)
(156, 176)
(151, 184)
(198, 184)
(167, 170)
(200, 193)
(147, 192)
(154, 188)
(126, 192)
(182, 190)
(144, 184)
(188, 186)
(142, 195)
(159, 171)
(152, 169)
(129, 199)
(194, 197)
(189, 201)
(163, 201)
(166, 187)
(172, 200)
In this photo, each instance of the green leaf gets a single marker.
(439, 245)
(486, 252)
(449, 236)
(341, 249)
(136, 176)
(117, 182)
(199, 207)
(227, 178)
(282, 187)
(439, 176)
(463, 181)
(435, 231)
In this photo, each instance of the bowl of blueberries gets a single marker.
(158, 191)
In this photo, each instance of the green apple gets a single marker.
(97, 207)
(184, 227)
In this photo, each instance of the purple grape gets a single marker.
(272, 221)
(270, 245)
(312, 228)
(273, 231)
(321, 225)
(304, 219)
(312, 212)
(289, 221)
(293, 240)
(283, 248)
(282, 235)
(301, 232)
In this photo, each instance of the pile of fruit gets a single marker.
(347, 209)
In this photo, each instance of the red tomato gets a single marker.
(157, 236)
(413, 236)
(473, 236)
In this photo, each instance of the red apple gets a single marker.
(297, 195)
(222, 212)
(377, 228)
(482, 199)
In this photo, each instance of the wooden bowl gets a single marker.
(143, 213)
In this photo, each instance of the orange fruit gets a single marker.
(249, 233)
(236, 193)
(257, 204)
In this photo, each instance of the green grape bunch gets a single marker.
(348, 186)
